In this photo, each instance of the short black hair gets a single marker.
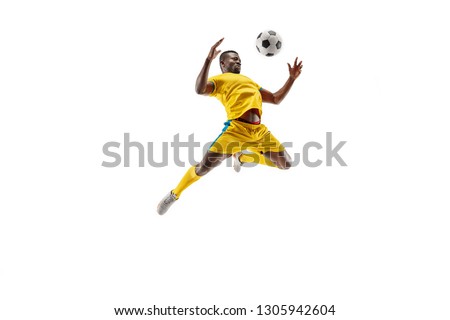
(225, 53)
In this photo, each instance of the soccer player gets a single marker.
(242, 99)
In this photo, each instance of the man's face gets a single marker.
(231, 63)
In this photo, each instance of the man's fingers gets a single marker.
(218, 43)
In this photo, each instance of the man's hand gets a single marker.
(202, 86)
(214, 52)
(278, 96)
(295, 71)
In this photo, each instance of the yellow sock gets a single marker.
(256, 158)
(189, 178)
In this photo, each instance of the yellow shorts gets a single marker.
(238, 136)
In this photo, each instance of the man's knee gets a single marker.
(284, 161)
(288, 165)
(209, 162)
(284, 165)
(201, 169)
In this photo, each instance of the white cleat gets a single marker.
(237, 164)
(166, 202)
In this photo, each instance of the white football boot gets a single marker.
(166, 202)
(237, 164)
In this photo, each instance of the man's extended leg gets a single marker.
(209, 162)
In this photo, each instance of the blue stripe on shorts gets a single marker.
(227, 124)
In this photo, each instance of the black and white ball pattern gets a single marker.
(269, 43)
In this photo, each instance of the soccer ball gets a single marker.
(268, 43)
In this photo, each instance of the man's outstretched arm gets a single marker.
(202, 86)
(277, 97)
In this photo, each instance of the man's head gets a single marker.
(230, 62)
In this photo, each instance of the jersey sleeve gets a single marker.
(258, 86)
(214, 81)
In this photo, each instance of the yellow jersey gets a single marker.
(237, 93)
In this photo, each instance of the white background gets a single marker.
(78, 239)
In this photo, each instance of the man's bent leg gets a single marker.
(281, 159)
(256, 158)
